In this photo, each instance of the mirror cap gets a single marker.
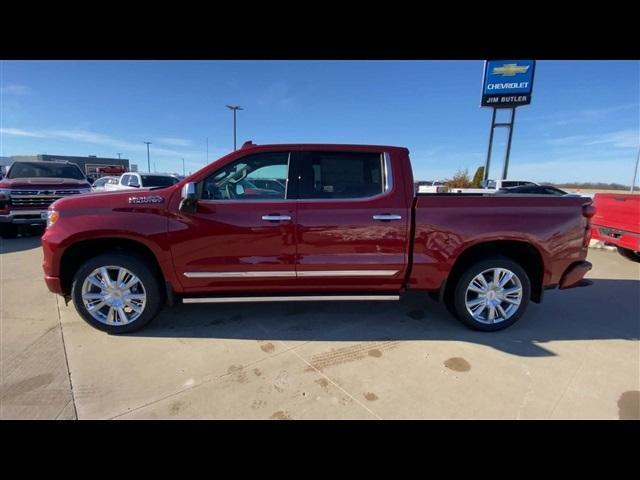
(189, 191)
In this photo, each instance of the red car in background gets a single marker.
(617, 222)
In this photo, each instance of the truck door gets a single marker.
(241, 237)
(352, 222)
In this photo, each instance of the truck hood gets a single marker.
(119, 199)
(44, 183)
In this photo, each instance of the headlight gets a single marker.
(52, 217)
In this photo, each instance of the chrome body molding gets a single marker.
(292, 274)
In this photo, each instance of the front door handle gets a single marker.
(276, 218)
(385, 217)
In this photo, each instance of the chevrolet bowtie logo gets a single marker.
(510, 69)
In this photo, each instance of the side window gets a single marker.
(125, 180)
(341, 175)
(262, 176)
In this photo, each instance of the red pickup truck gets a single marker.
(347, 226)
(617, 222)
(31, 186)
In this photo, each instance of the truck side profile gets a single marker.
(347, 226)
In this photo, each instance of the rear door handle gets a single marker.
(385, 217)
(276, 218)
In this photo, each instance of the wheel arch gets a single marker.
(524, 253)
(78, 253)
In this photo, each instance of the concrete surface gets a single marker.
(34, 379)
(575, 356)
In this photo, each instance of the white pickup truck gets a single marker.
(492, 186)
(133, 180)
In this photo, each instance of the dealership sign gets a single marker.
(507, 83)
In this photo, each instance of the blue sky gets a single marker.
(583, 123)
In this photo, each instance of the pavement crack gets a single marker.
(66, 360)
(337, 386)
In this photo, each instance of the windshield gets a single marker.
(158, 181)
(52, 170)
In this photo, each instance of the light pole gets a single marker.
(635, 172)
(148, 158)
(183, 167)
(118, 156)
(235, 108)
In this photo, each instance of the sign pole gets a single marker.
(635, 172)
(486, 164)
(506, 158)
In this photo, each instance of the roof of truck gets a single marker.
(332, 146)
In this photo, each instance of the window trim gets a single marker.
(261, 200)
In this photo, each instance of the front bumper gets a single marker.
(572, 276)
(25, 217)
(53, 284)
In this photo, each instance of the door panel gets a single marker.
(234, 248)
(242, 236)
(340, 244)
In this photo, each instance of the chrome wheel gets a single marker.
(113, 295)
(494, 295)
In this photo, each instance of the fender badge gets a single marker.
(149, 199)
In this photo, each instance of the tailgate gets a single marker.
(617, 211)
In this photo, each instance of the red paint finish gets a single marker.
(617, 219)
(447, 225)
(322, 236)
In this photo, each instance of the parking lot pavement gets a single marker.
(34, 380)
(575, 356)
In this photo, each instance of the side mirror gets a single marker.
(189, 198)
(189, 191)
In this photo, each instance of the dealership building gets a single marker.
(89, 165)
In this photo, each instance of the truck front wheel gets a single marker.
(492, 294)
(116, 293)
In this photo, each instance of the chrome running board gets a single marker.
(292, 298)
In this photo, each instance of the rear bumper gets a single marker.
(572, 276)
(617, 237)
(24, 217)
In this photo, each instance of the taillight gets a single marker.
(588, 211)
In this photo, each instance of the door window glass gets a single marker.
(255, 177)
(341, 175)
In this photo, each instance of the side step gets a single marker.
(293, 298)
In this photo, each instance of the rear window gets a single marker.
(341, 175)
(30, 170)
(158, 181)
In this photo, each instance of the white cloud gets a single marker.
(18, 90)
(128, 148)
(620, 139)
(174, 142)
(21, 133)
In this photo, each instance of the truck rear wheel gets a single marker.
(116, 293)
(492, 294)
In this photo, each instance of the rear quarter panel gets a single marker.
(445, 226)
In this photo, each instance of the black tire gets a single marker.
(464, 280)
(154, 292)
(630, 254)
(8, 230)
